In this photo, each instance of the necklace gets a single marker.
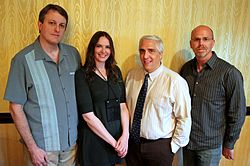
(105, 78)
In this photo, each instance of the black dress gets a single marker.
(92, 97)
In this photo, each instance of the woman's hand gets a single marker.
(122, 146)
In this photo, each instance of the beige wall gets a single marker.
(127, 21)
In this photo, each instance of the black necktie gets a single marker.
(136, 125)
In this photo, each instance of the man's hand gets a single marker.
(228, 153)
(38, 157)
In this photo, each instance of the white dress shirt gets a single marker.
(166, 111)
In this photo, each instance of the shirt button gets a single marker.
(197, 83)
(194, 95)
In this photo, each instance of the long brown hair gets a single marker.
(110, 63)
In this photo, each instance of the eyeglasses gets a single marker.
(204, 39)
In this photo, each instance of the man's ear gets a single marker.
(39, 24)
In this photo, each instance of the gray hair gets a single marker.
(159, 43)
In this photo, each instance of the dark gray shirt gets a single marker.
(47, 92)
(218, 103)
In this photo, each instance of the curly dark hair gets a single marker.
(110, 63)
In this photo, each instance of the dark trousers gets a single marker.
(150, 153)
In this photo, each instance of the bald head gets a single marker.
(201, 28)
(202, 41)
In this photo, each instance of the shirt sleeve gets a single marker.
(235, 114)
(83, 94)
(181, 109)
(17, 85)
(122, 86)
(77, 57)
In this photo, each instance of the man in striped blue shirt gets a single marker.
(218, 102)
(41, 92)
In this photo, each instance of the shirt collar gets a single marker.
(212, 60)
(40, 54)
(210, 63)
(155, 73)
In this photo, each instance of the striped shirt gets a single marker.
(166, 112)
(218, 103)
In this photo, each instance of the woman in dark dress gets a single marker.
(103, 130)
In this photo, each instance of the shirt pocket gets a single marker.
(162, 105)
(215, 93)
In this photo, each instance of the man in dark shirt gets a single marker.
(218, 102)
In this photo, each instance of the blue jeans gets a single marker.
(209, 157)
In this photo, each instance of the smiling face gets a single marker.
(102, 50)
(52, 28)
(202, 42)
(150, 55)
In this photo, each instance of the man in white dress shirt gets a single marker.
(166, 121)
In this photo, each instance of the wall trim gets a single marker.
(6, 117)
